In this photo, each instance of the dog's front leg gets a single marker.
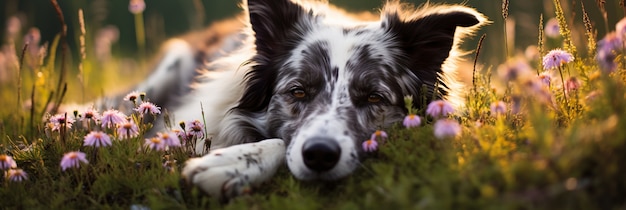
(227, 172)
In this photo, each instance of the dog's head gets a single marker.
(325, 83)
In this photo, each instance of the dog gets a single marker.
(305, 83)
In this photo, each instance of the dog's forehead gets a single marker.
(337, 48)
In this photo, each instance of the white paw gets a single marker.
(231, 171)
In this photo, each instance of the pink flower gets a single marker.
(447, 128)
(73, 159)
(147, 107)
(111, 118)
(552, 28)
(545, 78)
(556, 58)
(498, 108)
(97, 139)
(514, 69)
(572, 84)
(439, 108)
(7, 162)
(370, 145)
(181, 134)
(411, 120)
(196, 128)
(169, 139)
(16, 175)
(380, 135)
(606, 51)
(155, 143)
(60, 120)
(136, 6)
(132, 97)
(127, 129)
(91, 114)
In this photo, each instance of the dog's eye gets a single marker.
(298, 93)
(374, 98)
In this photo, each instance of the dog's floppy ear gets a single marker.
(274, 23)
(429, 36)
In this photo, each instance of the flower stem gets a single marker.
(140, 33)
(563, 83)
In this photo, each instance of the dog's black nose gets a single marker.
(321, 154)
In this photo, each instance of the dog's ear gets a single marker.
(428, 37)
(273, 21)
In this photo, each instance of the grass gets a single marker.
(550, 150)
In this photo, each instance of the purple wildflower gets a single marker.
(572, 84)
(182, 135)
(606, 51)
(196, 128)
(91, 114)
(439, 108)
(169, 139)
(7, 162)
(498, 108)
(514, 69)
(606, 61)
(111, 118)
(447, 128)
(97, 139)
(60, 120)
(411, 120)
(147, 107)
(611, 42)
(370, 145)
(545, 78)
(132, 97)
(552, 28)
(380, 135)
(155, 143)
(127, 129)
(556, 58)
(16, 175)
(73, 159)
(538, 91)
(136, 6)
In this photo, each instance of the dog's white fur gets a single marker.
(238, 161)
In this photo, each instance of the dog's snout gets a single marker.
(321, 154)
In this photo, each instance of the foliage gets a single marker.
(556, 146)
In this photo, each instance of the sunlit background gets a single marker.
(166, 18)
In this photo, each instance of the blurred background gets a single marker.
(166, 18)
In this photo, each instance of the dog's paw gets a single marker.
(232, 171)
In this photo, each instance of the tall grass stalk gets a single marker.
(568, 44)
(20, 117)
(81, 68)
(601, 5)
(140, 34)
(589, 32)
(478, 47)
(540, 44)
(64, 48)
(505, 15)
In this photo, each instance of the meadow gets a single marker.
(544, 129)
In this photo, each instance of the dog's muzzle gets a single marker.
(320, 154)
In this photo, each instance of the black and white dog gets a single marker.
(305, 83)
